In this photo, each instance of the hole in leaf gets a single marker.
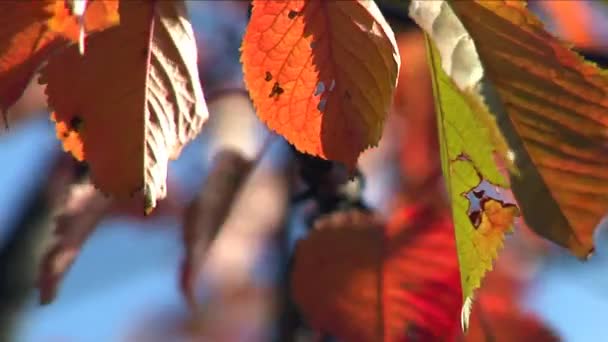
(483, 192)
(320, 88)
(321, 105)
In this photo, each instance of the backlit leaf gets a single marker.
(321, 73)
(132, 101)
(361, 280)
(468, 146)
(31, 30)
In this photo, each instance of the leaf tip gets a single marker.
(149, 200)
(589, 254)
(465, 313)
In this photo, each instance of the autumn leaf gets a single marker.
(361, 280)
(321, 73)
(207, 213)
(77, 218)
(31, 30)
(467, 148)
(132, 101)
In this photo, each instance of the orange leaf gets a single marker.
(132, 101)
(352, 281)
(31, 30)
(321, 73)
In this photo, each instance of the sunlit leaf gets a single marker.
(468, 147)
(321, 73)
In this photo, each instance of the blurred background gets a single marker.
(124, 284)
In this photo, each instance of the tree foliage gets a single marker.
(517, 110)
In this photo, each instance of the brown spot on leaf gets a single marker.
(76, 123)
(276, 90)
(292, 14)
(268, 76)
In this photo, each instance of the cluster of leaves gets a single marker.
(122, 81)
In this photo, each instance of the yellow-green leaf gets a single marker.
(468, 147)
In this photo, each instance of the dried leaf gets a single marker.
(132, 101)
(31, 30)
(321, 73)
(77, 219)
(206, 214)
(361, 281)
